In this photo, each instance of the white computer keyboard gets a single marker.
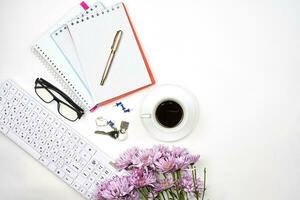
(50, 141)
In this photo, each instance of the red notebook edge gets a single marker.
(146, 64)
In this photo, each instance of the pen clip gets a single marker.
(116, 41)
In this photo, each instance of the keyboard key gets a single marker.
(9, 96)
(39, 120)
(41, 149)
(25, 100)
(6, 85)
(29, 131)
(44, 161)
(8, 104)
(34, 144)
(81, 179)
(19, 94)
(89, 195)
(3, 129)
(94, 162)
(85, 155)
(90, 168)
(68, 180)
(77, 158)
(71, 144)
(87, 185)
(13, 89)
(83, 163)
(3, 91)
(90, 149)
(76, 185)
(33, 115)
(15, 101)
(76, 149)
(75, 138)
(58, 134)
(60, 164)
(28, 140)
(56, 124)
(31, 105)
(50, 119)
(43, 114)
(52, 167)
(69, 172)
(81, 143)
(82, 190)
(10, 125)
(92, 179)
(62, 128)
(37, 110)
(76, 167)
(85, 173)
(96, 173)
(59, 173)
(2, 102)
(21, 107)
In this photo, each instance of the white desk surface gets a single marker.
(241, 59)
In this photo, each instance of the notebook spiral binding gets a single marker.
(51, 67)
(95, 14)
(89, 14)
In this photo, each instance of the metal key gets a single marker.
(124, 126)
(114, 134)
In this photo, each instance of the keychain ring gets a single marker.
(100, 121)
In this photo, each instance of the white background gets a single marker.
(240, 58)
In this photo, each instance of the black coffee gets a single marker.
(169, 114)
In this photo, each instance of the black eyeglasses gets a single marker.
(65, 105)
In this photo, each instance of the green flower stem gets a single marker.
(181, 192)
(168, 194)
(171, 193)
(204, 183)
(142, 193)
(194, 175)
(175, 179)
(162, 195)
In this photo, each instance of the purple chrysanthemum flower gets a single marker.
(193, 159)
(119, 187)
(163, 185)
(182, 162)
(164, 150)
(141, 178)
(146, 158)
(187, 183)
(165, 165)
(125, 160)
(179, 152)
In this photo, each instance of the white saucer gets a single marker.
(184, 98)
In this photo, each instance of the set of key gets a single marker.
(116, 133)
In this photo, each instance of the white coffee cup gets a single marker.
(180, 117)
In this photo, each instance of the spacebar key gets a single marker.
(23, 145)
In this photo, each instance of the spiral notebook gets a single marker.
(84, 44)
(51, 56)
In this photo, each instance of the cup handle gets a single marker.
(146, 115)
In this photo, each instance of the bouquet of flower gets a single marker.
(160, 173)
